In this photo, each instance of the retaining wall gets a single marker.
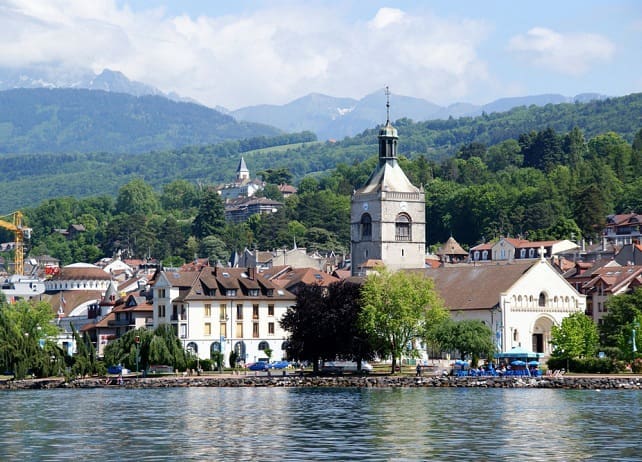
(569, 382)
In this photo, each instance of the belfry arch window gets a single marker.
(402, 228)
(366, 227)
(542, 299)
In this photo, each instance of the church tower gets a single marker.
(242, 172)
(388, 214)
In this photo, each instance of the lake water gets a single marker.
(287, 424)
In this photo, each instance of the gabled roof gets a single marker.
(180, 279)
(472, 287)
(623, 219)
(218, 280)
(613, 278)
(307, 276)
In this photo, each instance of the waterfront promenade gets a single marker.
(589, 382)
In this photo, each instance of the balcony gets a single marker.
(119, 322)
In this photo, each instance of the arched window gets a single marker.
(366, 227)
(531, 253)
(284, 345)
(542, 299)
(264, 346)
(402, 228)
(476, 255)
(215, 347)
(522, 253)
(239, 348)
(193, 347)
(485, 255)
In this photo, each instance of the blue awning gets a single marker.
(518, 353)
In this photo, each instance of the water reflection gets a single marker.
(319, 424)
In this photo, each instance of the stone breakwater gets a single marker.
(568, 382)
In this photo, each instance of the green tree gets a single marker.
(636, 155)
(576, 337)
(468, 337)
(160, 346)
(623, 311)
(210, 219)
(503, 155)
(26, 339)
(613, 149)
(270, 191)
(276, 176)
(84, 360)
(214, 248)
(324, 325)
(136, 198)
(398, 308)
(180, 198)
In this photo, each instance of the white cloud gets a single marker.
(262, 56)
(572, 54)
(387, 16)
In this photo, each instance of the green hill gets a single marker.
(26, 180)
(74, 120)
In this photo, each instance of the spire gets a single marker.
(387, 137)
(387, 105)
(242, 172)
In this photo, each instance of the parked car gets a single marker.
(259, 366)
(280, 364)
(115, 369)
(348, 366)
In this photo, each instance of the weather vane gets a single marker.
(387, 104)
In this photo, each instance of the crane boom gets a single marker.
(20, 232)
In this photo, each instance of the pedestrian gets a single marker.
(418, 369)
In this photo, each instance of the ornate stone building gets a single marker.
(388, 215)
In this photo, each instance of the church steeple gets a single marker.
(388, 214)
(242, 172)
(387, 137)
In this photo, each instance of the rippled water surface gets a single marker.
(266, 424)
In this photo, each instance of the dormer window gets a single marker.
(253, 292)
(230, 292)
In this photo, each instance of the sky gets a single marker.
(239, 53)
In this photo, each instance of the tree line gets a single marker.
(543, 185)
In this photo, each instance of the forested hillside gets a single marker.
(542, 185)
(25, 180)
(74, 120)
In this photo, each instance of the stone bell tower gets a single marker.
(388, 214)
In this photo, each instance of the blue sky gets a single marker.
(240, 53)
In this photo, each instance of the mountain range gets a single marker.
(40, 120)
(328, 117)
(336, 118)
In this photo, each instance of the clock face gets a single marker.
(404, 206)
(365, 206)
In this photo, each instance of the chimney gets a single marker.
(250, 273)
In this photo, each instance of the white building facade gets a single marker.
(520, 302)
(224, 309)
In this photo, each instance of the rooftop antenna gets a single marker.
(387, 105)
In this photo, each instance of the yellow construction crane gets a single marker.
(21, 233)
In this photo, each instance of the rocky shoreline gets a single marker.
(566, 382)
